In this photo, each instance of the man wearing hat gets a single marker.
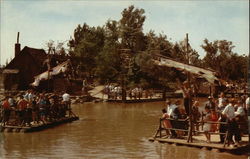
(210, 103)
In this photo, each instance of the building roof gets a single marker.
(38, 55)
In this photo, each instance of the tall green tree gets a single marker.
(131, 29)
(217, 55)
(221, 58)
(159, 44)
(186, 54)
(86, 44)
(132, 40)
(108, 60)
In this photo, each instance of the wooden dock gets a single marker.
(199, 142)
(36, 127)
(143, 100)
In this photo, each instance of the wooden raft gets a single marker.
(37, 127)
(143, 100)
(199, 142)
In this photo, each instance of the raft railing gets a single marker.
(160, 128)
(14, 117)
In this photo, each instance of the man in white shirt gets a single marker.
(248, 112)
(221, 100)
(66, 100)
(31, 96)
(171, 113)
(239, 109)
(229, 111)
(222, 127)
(233, 127)
(66, 97)
(247, 103)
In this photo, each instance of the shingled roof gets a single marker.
(38, 55)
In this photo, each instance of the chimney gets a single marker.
(17, 46)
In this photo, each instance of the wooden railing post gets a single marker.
(190, 132)
(226, 136)
(160, 128)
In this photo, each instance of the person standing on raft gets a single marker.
(66, 101)
(187, 94)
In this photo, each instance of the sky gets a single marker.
(39, 21)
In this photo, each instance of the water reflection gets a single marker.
(105, 131)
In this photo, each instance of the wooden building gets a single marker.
(30, 62)
(20, 72)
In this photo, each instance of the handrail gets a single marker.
(210, 122)
(16, 118)
(184, 130)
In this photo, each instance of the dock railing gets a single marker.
(161, 128)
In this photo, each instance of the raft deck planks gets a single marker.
(199, 142)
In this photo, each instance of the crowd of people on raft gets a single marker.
(34, 108)
(114, 91)
(216, 115)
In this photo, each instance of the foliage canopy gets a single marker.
(120, 50)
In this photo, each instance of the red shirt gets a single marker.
(214, 116)
(6, 104)
(22, 104)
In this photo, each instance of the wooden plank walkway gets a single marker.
(199, 142)
(36, 127)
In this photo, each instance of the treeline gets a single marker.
(121, 52)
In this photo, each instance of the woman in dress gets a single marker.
(207, 126)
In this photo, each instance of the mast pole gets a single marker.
(49, 68)
(190, 132)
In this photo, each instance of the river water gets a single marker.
(104, 131)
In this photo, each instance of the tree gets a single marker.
(221, 58)
(159, 44)
(108, 60)
(131, 27)
(235, 67)
(182, 54)
(132, 42)
(120, 52)
(87, 43)
(55, 48)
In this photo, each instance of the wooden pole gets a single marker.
(48, 68)
(124, 94)
(160, 129)
(210, 90)
(248, 83)
(124, 57)
(190, 132)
